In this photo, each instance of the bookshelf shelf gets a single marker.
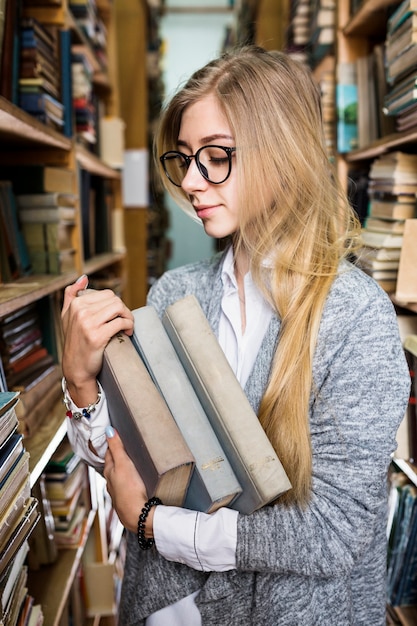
(46, 440)
(18, 127)
(14, 296)
(94, 165)
(60, 575)
(367, 21)
(101, 261)
(407, 468)
(396, 140)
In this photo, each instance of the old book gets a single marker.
(254, 460)
(30, 420)
(140, 415)
(39, 200)
(51, 237)
(28, 518)
(213, 483)
(407, 278)
(40, 179)
(47, 215)
(383, 225)
(392, 207)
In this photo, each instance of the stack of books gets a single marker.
(402, 544)
(392, 199)
(322, 28)
(39, 81)
(45, 196)
(28, 366)
(48, 224)
(83, 100)
(18, 515)
(401, 59)
(65, 485)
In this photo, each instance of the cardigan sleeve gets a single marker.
(361, 391)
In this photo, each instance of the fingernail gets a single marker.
(110, 432)
(81, 278)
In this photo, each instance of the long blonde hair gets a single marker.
(296, 223)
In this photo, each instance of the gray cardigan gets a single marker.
(325, 564)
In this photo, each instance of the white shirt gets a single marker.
(201, 541)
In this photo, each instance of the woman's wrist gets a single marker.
(83, 394)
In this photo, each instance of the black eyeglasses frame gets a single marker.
(187, 158)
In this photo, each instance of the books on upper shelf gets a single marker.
(396, 167)
(347, 107)
(367, 100)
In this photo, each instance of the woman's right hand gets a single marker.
(89, 322)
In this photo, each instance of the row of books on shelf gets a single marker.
(19, 516)
(38, 214)
(388, 207)
(50, 76)
(30, 345)
(311, 32)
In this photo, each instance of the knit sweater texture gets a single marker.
(323, 565)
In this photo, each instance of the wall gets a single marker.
(190, 41)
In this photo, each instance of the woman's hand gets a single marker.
(124, 484)
(89, 322)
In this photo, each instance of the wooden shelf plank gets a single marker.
(17, 126)
(94, 165)
(370, 17)
(51, 585)
(101, 261)
(14, 296)
(46, 440)
(382, 145)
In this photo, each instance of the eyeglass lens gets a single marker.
(213, 162)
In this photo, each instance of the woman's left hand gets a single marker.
(124, 484)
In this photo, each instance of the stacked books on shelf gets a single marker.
(401, 60)
(83, 100)
(392, 200)
(46, 207)
(65, 486)
(183, 416)
(18, 515)
(48, 223)
(322, 28)
(298, 35)
(39, 78)
(402, 544)
(28, 366)
(93, 27)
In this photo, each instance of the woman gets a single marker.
(313, 341)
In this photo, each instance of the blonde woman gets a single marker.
(312, 340)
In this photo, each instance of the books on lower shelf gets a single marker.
(18, 512)
(194, 357)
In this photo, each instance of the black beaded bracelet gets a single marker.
(145, 544)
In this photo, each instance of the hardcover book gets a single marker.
(141, 417)
(251, 455)
(213, 483)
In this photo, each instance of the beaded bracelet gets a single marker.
(145, 544)
(86, 411)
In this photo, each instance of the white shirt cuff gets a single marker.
(84, 430)
(204, 542)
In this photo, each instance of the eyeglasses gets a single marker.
(214, 164)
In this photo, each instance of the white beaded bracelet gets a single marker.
(85, 412)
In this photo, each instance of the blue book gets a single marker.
(66, 81)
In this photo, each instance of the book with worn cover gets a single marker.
(141, 417)
(248, 449)
(213, 483)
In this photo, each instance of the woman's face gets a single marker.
(203, 123)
